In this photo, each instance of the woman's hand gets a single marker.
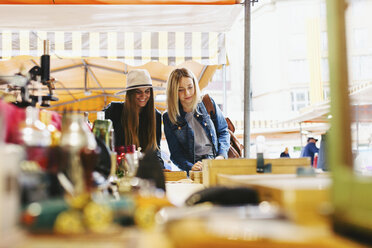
(197, 166)
(219, 157)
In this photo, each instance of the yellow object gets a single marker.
(78, 201)
(211, 168)
(175, 175)
(144, 216)
(192, 233)
(305, 200)
(69, 222)
(55, 134)
(196, 176)
(97, 217)
(72, 93)
(146, 209)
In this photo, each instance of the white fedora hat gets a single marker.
(137, 78)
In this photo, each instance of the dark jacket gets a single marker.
(310, 150)
(284, 155)
(180, 137)
(113, 112)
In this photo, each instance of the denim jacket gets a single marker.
(180, 137)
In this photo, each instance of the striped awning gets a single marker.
(134, 48)
(133, 34)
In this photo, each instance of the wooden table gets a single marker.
(177, 192)
(191, 232)
(301, 198)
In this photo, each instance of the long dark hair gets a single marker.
(142, 134)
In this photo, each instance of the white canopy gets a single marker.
(134, 34)
(123, 18)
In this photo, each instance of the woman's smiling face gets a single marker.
(142, 96)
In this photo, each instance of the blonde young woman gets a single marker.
(192, 134)
(136, 122)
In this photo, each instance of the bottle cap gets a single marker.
(100, 115)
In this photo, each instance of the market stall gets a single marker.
(131, 36)
(90, 213)
(74, 52)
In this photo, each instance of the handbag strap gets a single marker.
(209, 105)
(211, 111)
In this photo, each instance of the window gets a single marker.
(326, 94)
(361, 67)
(355, 68)
(300, 99)
(366, 67)
(323, 10)
(325, 70)
(324, 42)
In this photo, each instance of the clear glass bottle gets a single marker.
(131, 159)
(75, 137)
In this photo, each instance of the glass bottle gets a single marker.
(35, 137)
(75, 137)
(102, 128)
(131, 159)
(120, 160)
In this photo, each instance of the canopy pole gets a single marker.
(247, 87)
(357, 126)
(85, 78)
(340, 138)
(224, 89)
(301, 135)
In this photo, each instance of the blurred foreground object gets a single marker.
(303, 199)
(11, 156)
(76, 136)
(224, 196)
(245, 166)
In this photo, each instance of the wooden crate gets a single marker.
(301, 198)
(175, 175)
(196, 176)
(243, 166)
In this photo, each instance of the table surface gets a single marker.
(222, 231)
(178, 192)
(282, 181)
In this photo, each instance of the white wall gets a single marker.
(283, 33)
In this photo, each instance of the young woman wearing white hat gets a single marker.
(136, 122)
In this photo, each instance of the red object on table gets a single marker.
(11, 118)
(315, 163)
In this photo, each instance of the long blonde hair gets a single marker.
(135, 133)
(172, 92)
